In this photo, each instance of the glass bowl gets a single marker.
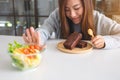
(25, 57)
(26, 61)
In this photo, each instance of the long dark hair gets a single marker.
(87, 19)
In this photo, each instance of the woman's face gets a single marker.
(74, 10)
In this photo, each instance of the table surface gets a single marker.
(99, 64)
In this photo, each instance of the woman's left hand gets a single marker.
(98, 41)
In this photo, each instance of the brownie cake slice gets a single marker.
(72, 40)
(81, 44)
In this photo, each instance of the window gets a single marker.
(17, 15)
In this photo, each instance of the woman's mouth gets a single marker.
(76, 20)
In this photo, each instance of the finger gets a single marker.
(97, 42)
(25, 38)
(100, 45)
(32, 32)
(96, 38)
(37, 38)
(28, 35)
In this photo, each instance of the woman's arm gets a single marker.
(50, 25)
(109, 29)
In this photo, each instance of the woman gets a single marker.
(77, 15)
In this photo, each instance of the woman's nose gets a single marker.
(73, 14)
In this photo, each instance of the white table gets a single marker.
(55, 65)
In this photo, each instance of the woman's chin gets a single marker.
(76, 22)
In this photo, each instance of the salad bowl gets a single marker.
(25, 56)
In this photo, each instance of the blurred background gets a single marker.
(17, 15)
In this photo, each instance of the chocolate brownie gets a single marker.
(81, 44)
(72, 40)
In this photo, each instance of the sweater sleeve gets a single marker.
(50, 25)
(109, 29)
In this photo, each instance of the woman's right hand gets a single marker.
(31, 36)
